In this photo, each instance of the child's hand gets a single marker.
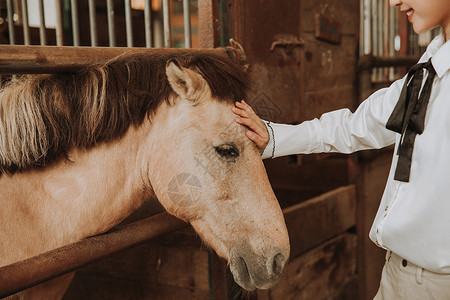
(258, 131)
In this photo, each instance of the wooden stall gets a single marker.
(302, 57)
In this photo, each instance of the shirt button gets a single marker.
(404, 262)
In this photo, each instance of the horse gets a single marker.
(79, 152)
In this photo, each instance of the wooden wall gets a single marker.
(300, 83)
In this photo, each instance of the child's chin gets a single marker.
(420, 28)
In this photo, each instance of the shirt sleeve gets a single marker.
(338, 131)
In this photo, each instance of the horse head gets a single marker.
(204, 170)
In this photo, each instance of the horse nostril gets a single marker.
(243, 265)
(278, 264)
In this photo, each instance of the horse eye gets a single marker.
(227, 151)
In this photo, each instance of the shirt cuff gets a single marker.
(290, 139)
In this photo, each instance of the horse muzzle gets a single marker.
(252, 271)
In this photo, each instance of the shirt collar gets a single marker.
(439, 52)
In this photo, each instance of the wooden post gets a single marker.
(209, 31)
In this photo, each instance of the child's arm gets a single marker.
(337, 131)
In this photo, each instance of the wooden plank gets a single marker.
(314, 221)
(43, 267)
(218, 271)
(348, 291)
(320, 175)
(94, 288)
(371, 179)
(153, 269)
(344, 11)
(263, 23)
(275, 91)
(368, 62)
(319, 274)
(329, 65)
(318, 102)
(208, 23)
(52, 59)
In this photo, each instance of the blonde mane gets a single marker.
(42, 117)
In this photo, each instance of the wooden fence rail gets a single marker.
(53, 59)
(46, 266)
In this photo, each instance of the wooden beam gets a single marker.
(208, 23)
(367, 62)
(30, 272)
(53, 59)
(319, 219)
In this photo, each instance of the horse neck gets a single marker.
(70, 200)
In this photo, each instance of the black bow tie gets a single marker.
(408, 116)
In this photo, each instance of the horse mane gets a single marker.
(42, 117)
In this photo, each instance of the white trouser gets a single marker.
(402, 280)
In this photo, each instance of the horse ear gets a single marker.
(185, 82)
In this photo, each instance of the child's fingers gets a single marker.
(250, 123)
(259, 141)
(256, 133)
(246, 116)
(240, 112)
(244, 106)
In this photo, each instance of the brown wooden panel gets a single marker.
(312, 222)
(346, 12)
(218, 270)
(209, 25)
(276, 73)
(263, 22)
(275, 93)
(99, 288)
(50, 59)
(326, 100)
(372, 176)
(167, 268)
(320, 175)
(329, 65)
(319, 274)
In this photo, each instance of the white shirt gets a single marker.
(413, 219)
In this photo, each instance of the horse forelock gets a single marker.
(42, 117)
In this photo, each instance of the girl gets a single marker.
(413, 220)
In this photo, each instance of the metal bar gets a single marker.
(381, 32)
(93, 23)
(51, 59)
(129, 23)
(386, 28)
(367, 27)
(392, 37)
(148, 23)
(59, 24)
(166, 22)
(42, 31)
(75, 24)
(35, 270)
(111, 24)
(361, 27)
(187, 24)
(10, 12)
(26, 27)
